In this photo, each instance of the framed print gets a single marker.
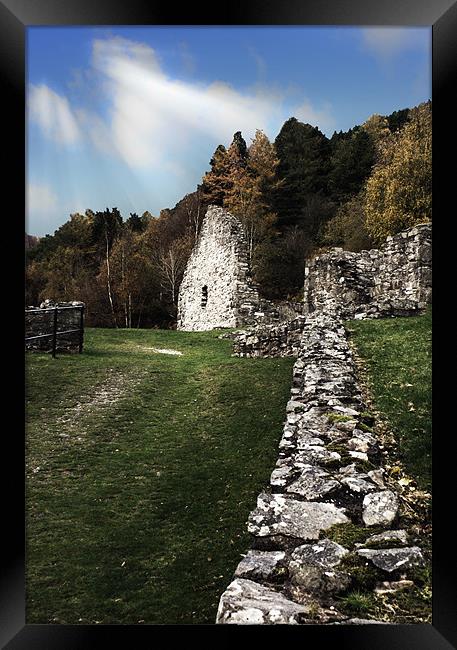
(273, 148)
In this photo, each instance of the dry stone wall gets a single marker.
(282, 340)
(328, 476)
(395, 280)
(217, 288)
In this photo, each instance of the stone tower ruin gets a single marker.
(216, 290)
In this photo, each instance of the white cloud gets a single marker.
(387, 42)
(154, 116)
(41, 198)
(151, 120)
(53, 114)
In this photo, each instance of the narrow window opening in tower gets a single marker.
(204, 296)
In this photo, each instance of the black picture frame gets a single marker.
(15, 17)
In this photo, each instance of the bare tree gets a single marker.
(170, 263)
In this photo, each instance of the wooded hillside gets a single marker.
(295, 196)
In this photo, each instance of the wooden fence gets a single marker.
(50, 324)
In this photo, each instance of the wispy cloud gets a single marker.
(150, 118)
(385, 43)
(259, 62)
(188, 60)
(53, 114)
(41, 198)
(154, 116)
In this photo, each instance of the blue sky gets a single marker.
(130, 116)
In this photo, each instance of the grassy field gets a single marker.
(397, 354)
(142, 468)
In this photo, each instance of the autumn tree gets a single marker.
(132, 276)
(347, 228)
(249, 197)
(215, 182)
(377, 126)
(398, 194)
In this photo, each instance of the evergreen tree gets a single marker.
(225, 164)
(135, 223)
(353, 156)
(238, 151)
(398, 119)
(304, 164)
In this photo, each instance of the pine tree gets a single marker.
(304, 164)
(353, 156)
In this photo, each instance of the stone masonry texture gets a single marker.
(217, 290)
(395, 280)
(329, 469)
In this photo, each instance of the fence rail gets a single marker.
(55, 323)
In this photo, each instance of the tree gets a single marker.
(398, 119)
(250, 190)
(377, 127)
(399, 192)
(170, 262)
(107, 226)
(304, 164)
(238, 151)
(347, 228)
(194, 207)
(132, 276)
(135, 223)
(280, 265)
(215, 182)
(352, 159)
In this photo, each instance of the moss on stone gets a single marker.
(348, 534)
(385, 543)
(367, 418)
(364, 574)
(336, 417)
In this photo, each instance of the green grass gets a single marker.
(397, 354)
(137, 507)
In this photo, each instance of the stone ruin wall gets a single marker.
(330, 466)
(217, 290)
(395, 280)
(329, 473)
(218, 263)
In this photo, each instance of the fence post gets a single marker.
(81, 330)
(54, 338)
